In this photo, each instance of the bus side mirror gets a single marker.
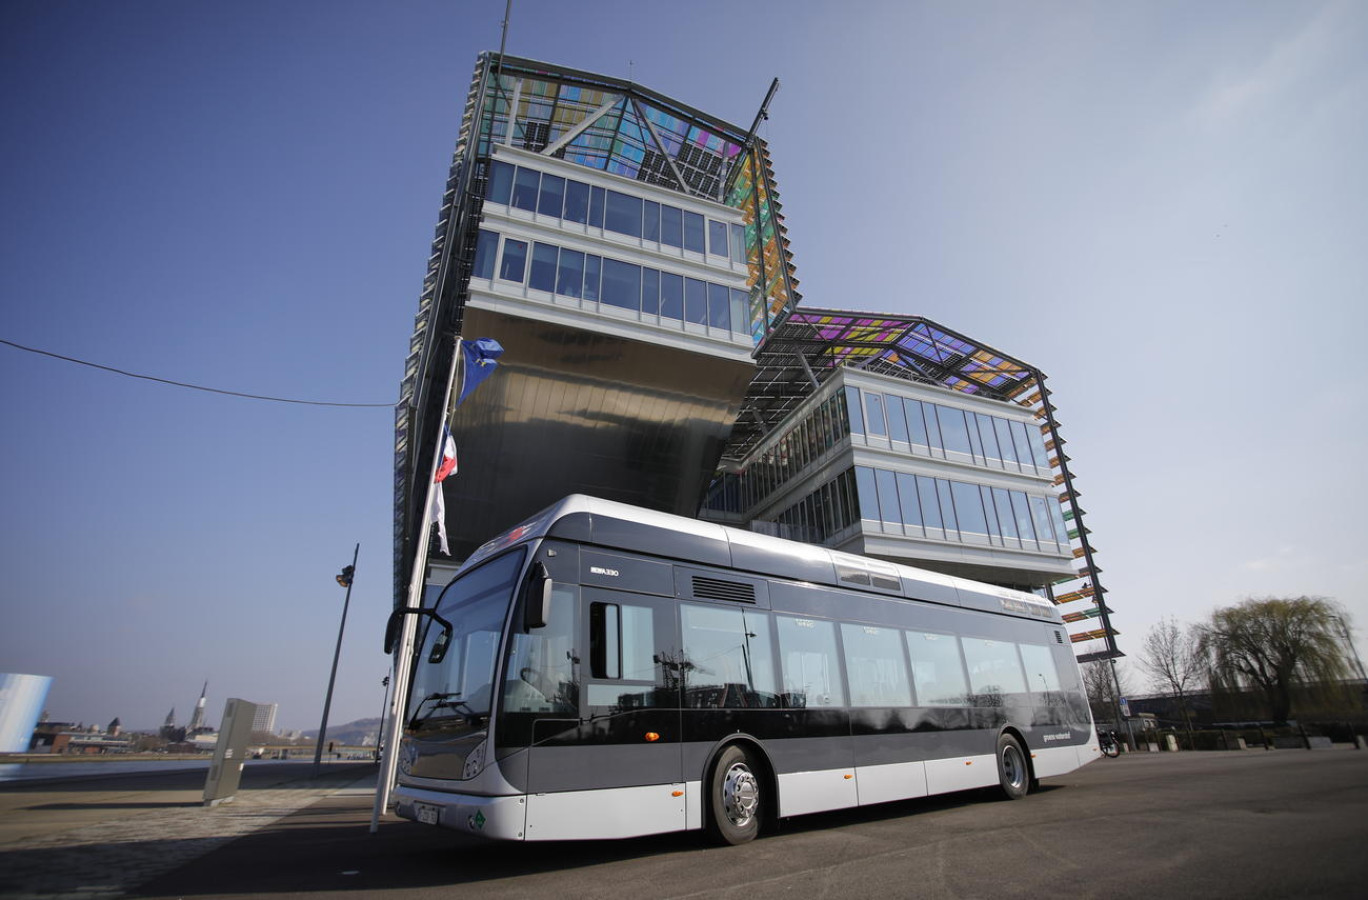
(537, 601)
(395, 624)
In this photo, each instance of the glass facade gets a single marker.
(947, 505)
(622, 130)
(586, 276)
(948, 432)
(659, 226)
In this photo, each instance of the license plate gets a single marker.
(427, 814)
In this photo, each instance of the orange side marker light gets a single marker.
(652, 736)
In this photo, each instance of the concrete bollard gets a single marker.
(1360, 743)
(1171, 743)
(1240, 743)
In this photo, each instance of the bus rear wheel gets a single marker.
(1013, 772)
(734, 798)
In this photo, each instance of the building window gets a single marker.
(577, 202)
(671, 296)
(525, 188)
(486, 248)
(717, 238)
(671, 226)
(695, 301)
(514, 261)
(543, 274)
(621, 284)
(650, 221)
(552, 197)
(853, 406)
(693, 232)
(623, 214)
(874, 415)
(592, 266)
(500, 183)
(570, 275)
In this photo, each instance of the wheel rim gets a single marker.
(1013, 766)
(740, 795)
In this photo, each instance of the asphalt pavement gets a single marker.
(1273, 824)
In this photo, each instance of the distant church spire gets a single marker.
(197, 720)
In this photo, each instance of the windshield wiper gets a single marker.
(449, 700)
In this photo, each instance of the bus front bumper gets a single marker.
(499, 818)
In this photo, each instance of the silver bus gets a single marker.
(605, 671)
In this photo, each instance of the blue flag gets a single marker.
(481, 358)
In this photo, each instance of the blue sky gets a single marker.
(1159, 204)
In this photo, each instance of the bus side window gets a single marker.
(540, 675)
(621, 642)
(1041, 675)
(605, 640)
(728, 652)
(875, 666)
(937, 669)
(995, 674)
(811, 666)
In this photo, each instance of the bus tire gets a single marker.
(1014, 773)
(735, 802)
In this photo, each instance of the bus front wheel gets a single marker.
(734, 799)
(1013, 772)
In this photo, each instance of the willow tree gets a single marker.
(1273, 644)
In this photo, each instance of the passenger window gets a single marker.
(937, 669)
(995, 676)
(622, 648)
(875, 666)
(811, 666)
(728, 658)
(1041, 674)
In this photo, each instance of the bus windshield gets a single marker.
(460, 686)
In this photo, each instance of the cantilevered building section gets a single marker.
(628, 253)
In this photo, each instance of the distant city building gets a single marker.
(265, 718)
(21, 702)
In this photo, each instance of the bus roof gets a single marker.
(607, 523)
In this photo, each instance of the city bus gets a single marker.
(606, 671)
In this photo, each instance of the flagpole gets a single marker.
(403, 654)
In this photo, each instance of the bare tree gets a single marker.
(1274, 643)
(1172, 656)
(1100, 687)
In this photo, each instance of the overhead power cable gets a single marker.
(185, 384)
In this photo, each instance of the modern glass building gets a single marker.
(630, 254)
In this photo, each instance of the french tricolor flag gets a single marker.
(444, 468)
(448, 463)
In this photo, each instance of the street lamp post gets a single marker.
(344, 579)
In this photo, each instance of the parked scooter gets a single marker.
(1111, 747)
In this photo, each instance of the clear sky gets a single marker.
(1161, 205)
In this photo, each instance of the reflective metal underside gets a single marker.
(575, 411)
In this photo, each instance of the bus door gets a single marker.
(540, 705)
(632, 678)
(617, 773)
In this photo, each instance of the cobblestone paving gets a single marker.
(110, 859)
